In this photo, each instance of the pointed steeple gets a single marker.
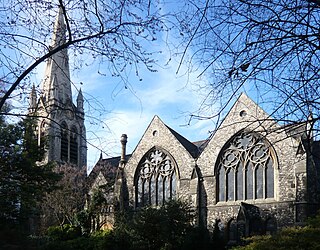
(80, 102)
(59, 32)
(32, 100)
(61, 122)
(57, 75)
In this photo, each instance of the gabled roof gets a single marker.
(248, 212)
(201, 145)
(189, 146)
(107, 167)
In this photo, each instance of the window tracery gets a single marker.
(245, 169)
(155, 178)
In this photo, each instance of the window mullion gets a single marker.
(234, 184)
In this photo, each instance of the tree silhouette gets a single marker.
(110, 32)
(270, 49)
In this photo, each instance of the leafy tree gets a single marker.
(166, 227)
(289, 238)
(23, 180)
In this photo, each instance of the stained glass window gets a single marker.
(74, 146)
(64, 142)
(245, 169)
(155, 179)
(69, 149)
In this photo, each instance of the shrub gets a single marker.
(65, 232)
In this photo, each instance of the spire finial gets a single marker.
(59, 33)
(80, 101)
(32, 99)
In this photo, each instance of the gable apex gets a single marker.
(158, 134)
(246, 113)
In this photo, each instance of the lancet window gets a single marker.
(245, 169)
(69, 144)
(64, 142)
(74, 145)
(155, 179)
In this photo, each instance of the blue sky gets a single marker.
(112, 110)
(170, 96)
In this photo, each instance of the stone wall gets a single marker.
(197, 177)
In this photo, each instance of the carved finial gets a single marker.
(80, 101)
(32, 99)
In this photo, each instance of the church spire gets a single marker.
(32, 100)
(59, 32)
(61, 122)
(56, 82)
(80, 101)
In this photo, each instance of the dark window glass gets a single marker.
(239, 182)
(222, 183)
(153, 190)
(249, 186)
(139, 192)
(64, 142)
(157, 170)
(250, 167)
(230, 185)
(74, 146)
(270, 180)
(259, 182)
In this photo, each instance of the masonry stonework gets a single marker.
(245, 205)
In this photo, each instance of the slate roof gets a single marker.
(108, 167)
(189, 146)
(201, 144)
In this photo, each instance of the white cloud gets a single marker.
(165, 94)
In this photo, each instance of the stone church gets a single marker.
(60, 126)
(251, 176)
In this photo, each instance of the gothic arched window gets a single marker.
(245, 169)
(155, 179)
(64, 142)
(74, 145)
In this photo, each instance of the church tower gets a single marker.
(60, 123)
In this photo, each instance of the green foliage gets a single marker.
(23, 182)
(96, 241)
(97, 201)
(167, 227)
(65, 232)
(83, 219)
(293, 238)
(164, 227)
